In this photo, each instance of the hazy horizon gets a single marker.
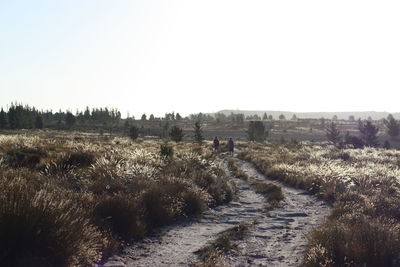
(189, 57)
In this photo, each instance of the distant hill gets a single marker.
(314, 115)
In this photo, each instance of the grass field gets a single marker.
(72, 199)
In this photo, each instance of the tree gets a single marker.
(178, 117)
(176, 134)
(151, 118)
(38, 122)
(144, 117)
(294, 117)
(256, 131)
(198, 132)
(369, 133)
(335, 118)
(3, 119)
(265, 117)
(282, 117)
(133, 132)
(392, 125)
(69, 120)
(352, 118)
(333, 134)
(270, 117)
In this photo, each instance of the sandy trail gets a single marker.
(277, 239)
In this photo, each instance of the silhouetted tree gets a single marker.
(178, 117)
(69, 120)
(386, 145)
(282, 117)
(144, 117)
(335, 118)
(176, 134)
(256, 131)
(352, 118)
(333, 134)
(270, 117)
(198, 132)
(3, 119)
(392, 125)
(265, 117)
(294, 117)
(38, 122)
(133, 132)
(151, 118)
(369, 133)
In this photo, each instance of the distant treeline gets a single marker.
(21, 116)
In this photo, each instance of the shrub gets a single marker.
(24, 157)
(121, 215)
(166, 150)
(44, 228)
(272, 192)
(79, 159)
(171, 197)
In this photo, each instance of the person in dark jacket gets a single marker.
(231, 146)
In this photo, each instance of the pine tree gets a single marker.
(393, 126)
(198, 132)
(3, 119)
(333, 134)
(369, 133)
(176, 134)
(256, 131)
(265, 117)
(133, 132)
(38, 122)
(70, 120)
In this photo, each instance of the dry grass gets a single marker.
(70, 201)
(363, 187)
(213, 252)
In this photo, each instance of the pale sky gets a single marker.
(191, 56)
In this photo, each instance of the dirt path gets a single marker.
(277, 239)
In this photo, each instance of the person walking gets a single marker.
(216, 145)
(231, 146)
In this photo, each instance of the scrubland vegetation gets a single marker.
(72, 201)
(363, 187)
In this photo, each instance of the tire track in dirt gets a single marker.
(280, 237)
(277, 239)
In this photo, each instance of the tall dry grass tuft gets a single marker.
(44, 226)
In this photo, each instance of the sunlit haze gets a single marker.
(201, 56)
